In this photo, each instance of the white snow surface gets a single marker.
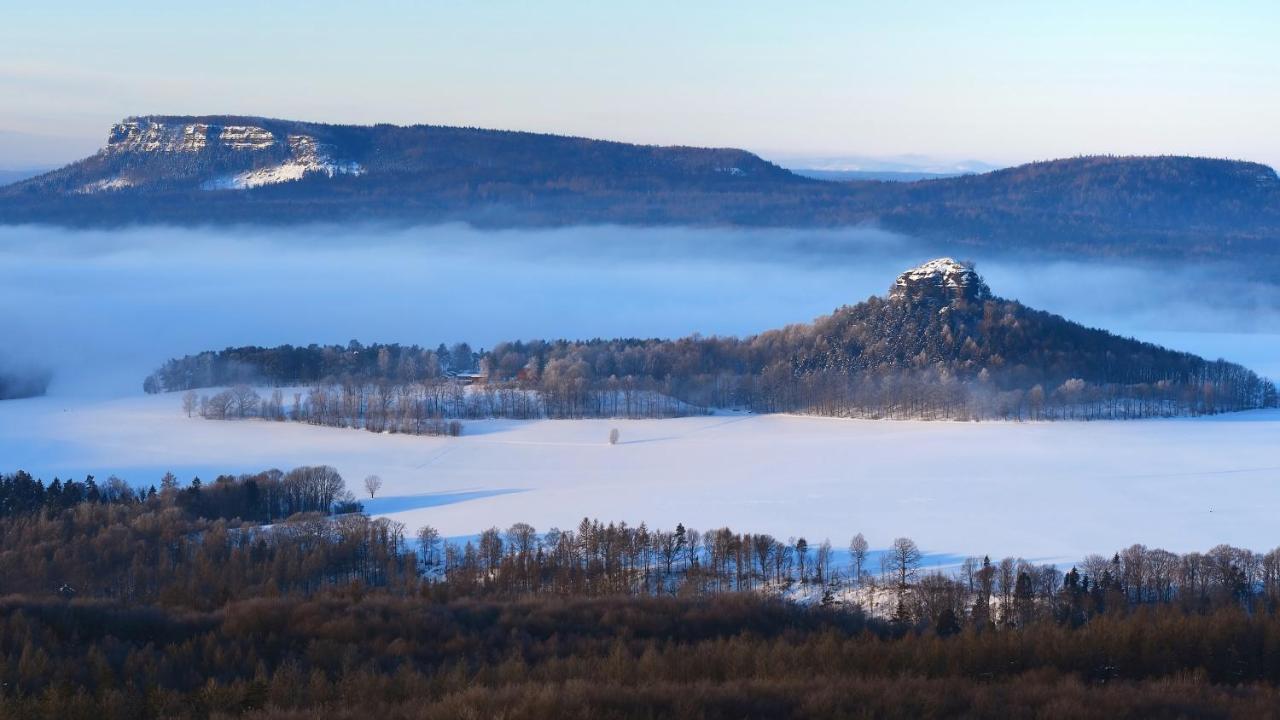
(946, 267)
(308, 156)
(1050, 492)
(115, 183)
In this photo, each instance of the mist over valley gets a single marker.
(104, 308)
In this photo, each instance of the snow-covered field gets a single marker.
(1051, 492)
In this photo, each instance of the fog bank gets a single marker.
(103, 308)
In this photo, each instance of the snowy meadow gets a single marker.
(1048, 491)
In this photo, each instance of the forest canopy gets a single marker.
(167, 603)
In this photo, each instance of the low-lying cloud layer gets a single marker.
(104, 308)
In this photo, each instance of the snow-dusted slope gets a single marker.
(307, 156)
(170, 152)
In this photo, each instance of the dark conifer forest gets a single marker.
(272, 596)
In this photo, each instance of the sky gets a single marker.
(805, 83)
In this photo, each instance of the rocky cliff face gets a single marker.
(144, 135)
(943, 281)
(143, 152)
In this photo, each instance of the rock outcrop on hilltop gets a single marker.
(148, 135)
(944, 281)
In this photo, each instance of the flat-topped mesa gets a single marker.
(943, 280)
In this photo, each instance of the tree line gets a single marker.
(250, 522)
(430, 408)
(597, 559)
(262, 497)
(376, 408)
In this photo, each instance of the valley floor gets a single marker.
(1044, 491)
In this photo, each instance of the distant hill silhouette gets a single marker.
(212, 169)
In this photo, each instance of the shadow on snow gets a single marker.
(402, 503)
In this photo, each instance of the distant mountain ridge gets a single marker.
(215, 169)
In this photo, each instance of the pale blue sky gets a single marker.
(1003, 82)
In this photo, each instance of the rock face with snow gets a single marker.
(306, 156)
(141, 135)
(200, 154)
(147, 135)
(944, 281)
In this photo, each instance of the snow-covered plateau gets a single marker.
(1045, 491)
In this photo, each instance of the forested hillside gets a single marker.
(940, 346)
(232, 169)
(178, 602)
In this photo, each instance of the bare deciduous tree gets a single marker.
(273, 409)
(906, 556)
(802, 557)
(244, 400)
(429, 541)
(857, 558)
(311, 487)
(189, 402)
(822, 562)
(219, 406)
(372, 485)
